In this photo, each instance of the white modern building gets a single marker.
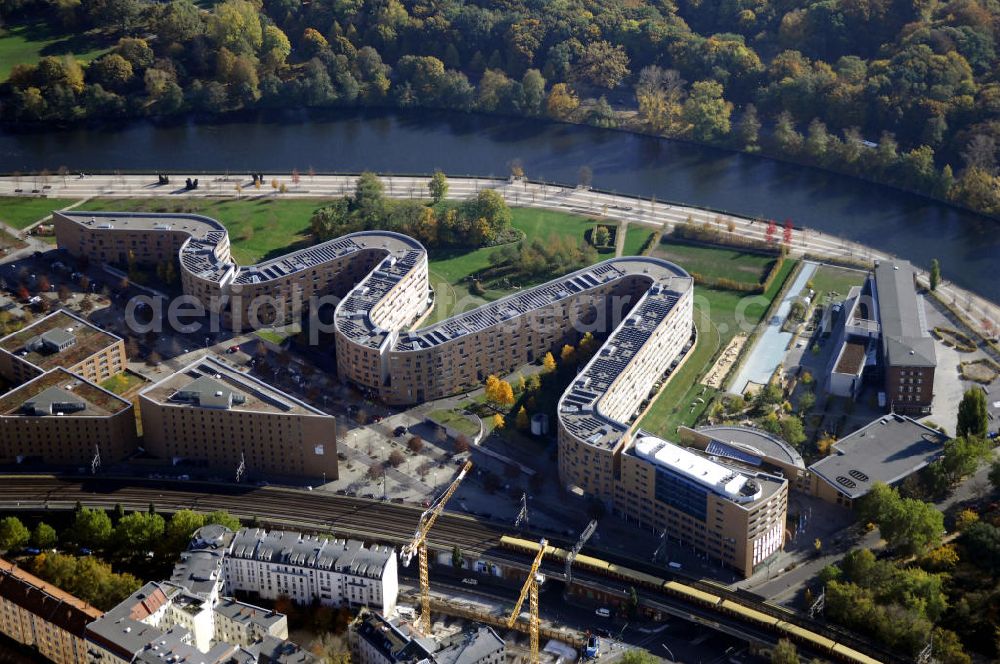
(305, 568)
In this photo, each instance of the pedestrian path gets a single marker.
(770, 348)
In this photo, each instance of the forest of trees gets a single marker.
(899, 91)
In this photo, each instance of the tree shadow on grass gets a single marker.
(77, 43)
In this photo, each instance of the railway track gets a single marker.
(343, 515)
(358, 517)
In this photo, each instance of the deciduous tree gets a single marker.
(973, 419)
(13, 533)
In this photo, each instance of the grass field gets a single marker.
(28, 42)
(448, 270)
(456, 420)
(258, 228)
(635, 237)
(835, 281)
(717, 262)
(21, 211)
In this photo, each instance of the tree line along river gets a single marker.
(461, 144)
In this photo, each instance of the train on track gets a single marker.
(725, 605)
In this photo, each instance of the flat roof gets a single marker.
(905, 339)
(888, 450)
(89, 339)
(209, 372)
(719, 479)
(751, 441)
(61, 386)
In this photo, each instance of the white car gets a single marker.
(470, 582)
(603, 612)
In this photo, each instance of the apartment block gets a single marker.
(61, 339)
(210, 414)
(60, 418)
(39, 615)
(306, 568)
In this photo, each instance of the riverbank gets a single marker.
(982, 314)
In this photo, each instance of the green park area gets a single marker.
(456, 420)
(27, 43)
(835, 282)
(717, 262)
(258, 227)
(22, 211)
(717, 319)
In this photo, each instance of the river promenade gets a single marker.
(982, 313)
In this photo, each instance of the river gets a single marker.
(420, 141)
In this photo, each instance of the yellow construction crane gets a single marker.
(418, 545)
(530, 587)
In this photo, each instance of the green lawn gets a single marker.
(718, 318)
(457, 421)
(449, 269)
(635, 237)
(28, 42)
(22, 211)
(716, 262)
(258, 227)
(835, 281)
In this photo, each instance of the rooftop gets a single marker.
(242, 612)
(60, 393)
(579, 406)
(211, 383)
(886, 450)
(205, 254)
(45, 600)
(715, 477)
(292, 548)
(748, 445)
(122, 630)
(905, 340)
(470, 647)
(852, 358)
(391, 641)
(60, 339)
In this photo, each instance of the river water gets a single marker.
(967, 245)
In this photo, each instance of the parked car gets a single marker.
(32, 550)
(84, 551)
(233, 349)
(470, 581)
(399, 431)
(603, 612)
(593, 646)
